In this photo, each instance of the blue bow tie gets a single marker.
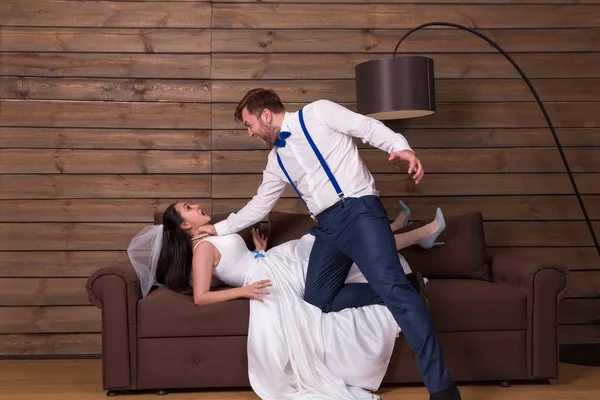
(257, 254)
(282, 136)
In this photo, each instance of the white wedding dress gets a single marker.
(295, 351)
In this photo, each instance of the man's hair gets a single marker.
(256, 100)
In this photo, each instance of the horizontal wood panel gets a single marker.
(576, 258)
(579, 334)
(168, 66)
(155, 14)
(430, 2)
(443, 40)
(107, 89)
(104, 161)
(68, 236)
(497, 208)
(106, 40)
(584, 283)
(117, 236)
(138, 210)
(447, 66)
(516, 115)
(56, 264)
(579, 311)
(440, 160)
(89, 210)
(245, 186)
(104, 114)
(238, 139)
(465, 115)
(43, 292)
(104, 186)
(498, 137)
(55, 344)
(401, 16)
(68, 319)
(101, 138)
(446, 90)
(547, 233)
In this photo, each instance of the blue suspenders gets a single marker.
(337, 188)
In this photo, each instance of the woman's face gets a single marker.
(192, 215)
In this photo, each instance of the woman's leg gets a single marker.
(416, 235)
(400, 219)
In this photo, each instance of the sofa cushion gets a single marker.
(284, 227)
(475, 305)
(463, 254)
(165, 313)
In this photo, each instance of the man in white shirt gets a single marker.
(314, 151)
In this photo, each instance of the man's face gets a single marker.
(261, 127)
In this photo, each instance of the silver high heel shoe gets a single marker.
(430, 241)
(406, 211)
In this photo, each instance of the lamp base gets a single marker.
(581, 354)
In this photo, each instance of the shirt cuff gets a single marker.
(402, 147)
(222, 228)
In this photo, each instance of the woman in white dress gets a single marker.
(295, 351)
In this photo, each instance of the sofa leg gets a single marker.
(161, 392)
(505, 384)
(112, 393)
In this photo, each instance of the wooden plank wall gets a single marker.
(110, 110)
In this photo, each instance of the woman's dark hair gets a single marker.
(175, 262)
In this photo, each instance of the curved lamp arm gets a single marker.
(509, 58)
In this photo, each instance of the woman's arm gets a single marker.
(202, 269)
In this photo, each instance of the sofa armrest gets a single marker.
(116, 290)
(545, 283)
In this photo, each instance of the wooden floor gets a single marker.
(81, 380)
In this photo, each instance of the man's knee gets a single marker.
(313, 300)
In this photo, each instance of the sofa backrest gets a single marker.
(463, 255)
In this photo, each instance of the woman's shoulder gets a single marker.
(203, 245)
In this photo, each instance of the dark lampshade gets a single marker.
(395, 88)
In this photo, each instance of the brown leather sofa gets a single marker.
(496, 318)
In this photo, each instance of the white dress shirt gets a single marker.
(331, 126)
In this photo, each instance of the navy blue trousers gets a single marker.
(358, 230)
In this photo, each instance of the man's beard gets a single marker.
(271, 133)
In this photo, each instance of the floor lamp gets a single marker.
(403, 87)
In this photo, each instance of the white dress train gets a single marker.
(295, 351)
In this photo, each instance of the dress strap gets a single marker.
(196, 244)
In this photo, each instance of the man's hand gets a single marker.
(414, 165)
(208, 228)
(259, 240)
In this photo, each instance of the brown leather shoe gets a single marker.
(448, 394)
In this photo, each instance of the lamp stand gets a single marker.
(585, 354)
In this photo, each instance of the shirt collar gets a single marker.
(285, 126)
